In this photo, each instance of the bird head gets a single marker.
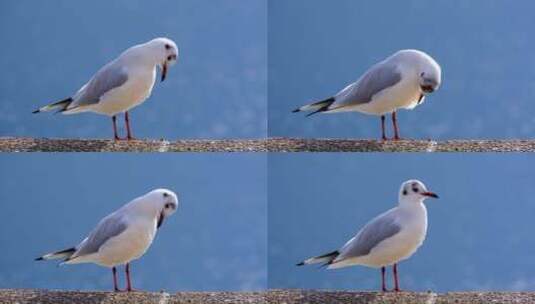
(165, 53)
(414, 191)
(162, 202)
(429, 74)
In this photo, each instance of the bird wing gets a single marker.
(378, 78)
(109, 77)
(110, 226)
(377, 230)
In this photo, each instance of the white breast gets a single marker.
(402, 95)
(129, 245)
(135, 90)
(402, 245)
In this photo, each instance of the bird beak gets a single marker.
(430, 194)
(164, 71)
(427, 89)
(160, 220)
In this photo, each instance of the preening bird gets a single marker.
(401, 81)
(121, 84)
(123, 236)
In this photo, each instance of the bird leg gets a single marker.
(128, 282)
(395, 123)
(114, 271)
(128, 130)
(396, 280)
(383, 284)
(383, 127)
(115, 134)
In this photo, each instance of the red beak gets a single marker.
(160, 220)
(430, 194)
(164, 71)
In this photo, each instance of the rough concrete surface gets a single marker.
(369, 145)
(27, 296)
(12, 144)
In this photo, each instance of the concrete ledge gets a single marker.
(368, 145)
(27, 296)
(12, 144)
(30, 296)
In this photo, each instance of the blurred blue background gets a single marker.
(217, 89)
(215, 241)
(486, 50)
(480, 234)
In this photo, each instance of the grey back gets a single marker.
(110, 226)
(376, 231)
(110, 76)
(379, 77)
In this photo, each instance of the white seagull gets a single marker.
(121, 84)
(123, 236)
(401, 81)
(387, 239)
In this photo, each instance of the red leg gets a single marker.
(115, 134)
(383, 284)
(396, 280)
(395, 123)
(383, 127)
(115, 287)
(128, 282)
(128, 130)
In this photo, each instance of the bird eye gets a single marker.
(415, 190)
(167, 46)
(422, 74)
(169, 58)
(168, 205)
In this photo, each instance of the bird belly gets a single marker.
(124, 98)
(402, 95)
(396, 248)
(127, 246)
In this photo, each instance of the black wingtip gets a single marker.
(300, 264)
(39, 259)
(36, 111)
(296, 110)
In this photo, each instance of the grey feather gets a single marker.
(109, 77)
(379, 77)
(108, 227)
(376, 231)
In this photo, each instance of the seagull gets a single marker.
(121, 84)
(401, 81)
(123, 236)
(387, 239)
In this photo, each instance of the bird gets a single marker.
(122, 84)
(122, 236)
(400, 81)
(387, 239)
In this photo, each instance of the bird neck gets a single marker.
(144, 207)
(411, 203)
(142, 55)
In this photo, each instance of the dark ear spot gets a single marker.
(422, 74)
(165, 194)
(404, 192)
(167, 46)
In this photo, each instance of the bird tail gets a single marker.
(60, 106)
(63, 254)
(317, 107)
(326, 259)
